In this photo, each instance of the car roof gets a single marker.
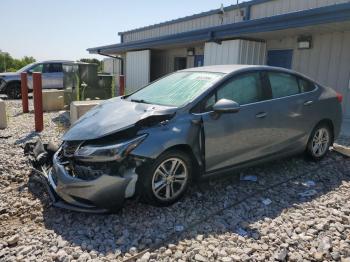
(228, 69)
(61, 61)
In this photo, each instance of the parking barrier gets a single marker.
(24, 92)
(38, 102)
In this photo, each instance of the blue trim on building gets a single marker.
(247, 4)
(322, 15)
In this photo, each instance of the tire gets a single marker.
(158, 185)
(13, 90)
(319, 142)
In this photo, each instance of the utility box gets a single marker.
(82, 82)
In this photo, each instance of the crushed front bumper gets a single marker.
(104, 194)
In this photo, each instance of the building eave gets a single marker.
(316, 16)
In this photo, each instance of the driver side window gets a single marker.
(244, 89)
(38, 68)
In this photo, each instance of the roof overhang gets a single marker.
(317, 16)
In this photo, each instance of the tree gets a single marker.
(12, 64)
(93, 61)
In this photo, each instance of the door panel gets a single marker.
(234, 138)
(280, 58)
(52, 80)
(292, 112)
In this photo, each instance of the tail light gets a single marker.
(340, 97)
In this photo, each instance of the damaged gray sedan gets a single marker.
(188, 125)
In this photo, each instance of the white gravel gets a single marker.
(296, 211)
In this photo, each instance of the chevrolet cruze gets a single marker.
(188, 125)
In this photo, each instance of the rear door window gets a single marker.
(56, 68)
(305, 85)
(283, 84)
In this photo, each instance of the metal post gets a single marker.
(38, 102)
(24, 92)
(121, 85)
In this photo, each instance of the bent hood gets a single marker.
(111, 116)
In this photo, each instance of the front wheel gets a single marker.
(166, 180)
(320, 141)
(13, 90)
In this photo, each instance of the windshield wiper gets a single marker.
(139, 101)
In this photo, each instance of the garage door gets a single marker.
(137, 70)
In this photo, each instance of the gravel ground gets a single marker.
(297, 210)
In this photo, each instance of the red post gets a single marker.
(38, 102)
(24, 92)
(121, 85)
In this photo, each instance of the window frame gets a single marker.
(266, 94)
(308, 81)
(282, 72)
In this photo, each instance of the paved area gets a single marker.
(297, 210)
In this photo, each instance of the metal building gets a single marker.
(309, 36)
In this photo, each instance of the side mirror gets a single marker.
(226, 106)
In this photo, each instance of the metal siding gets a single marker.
(111, 66)
(137, 70)
(328, 61)
(234, 52)
(278, 7)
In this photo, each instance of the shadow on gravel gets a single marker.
(62, 120)
(220, 206)
(27, 138)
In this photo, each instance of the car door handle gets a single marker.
(308, 103)
(261, 115)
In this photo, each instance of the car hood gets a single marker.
(6, 74)
(111, 116)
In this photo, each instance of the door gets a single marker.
(138, 70)
(180, 63)
(52, 76)
(291, 112)
(198, 60)
(280, 58)
(234, 138)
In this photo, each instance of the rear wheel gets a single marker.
(166, 180)
(320, 141)
(13, 90)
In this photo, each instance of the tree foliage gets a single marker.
(10, 64)
(93, 61)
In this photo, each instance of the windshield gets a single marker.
(176, 89)
(25, 68)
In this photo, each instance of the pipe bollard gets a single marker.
(38, 102)
(121, 85)
(24, 92)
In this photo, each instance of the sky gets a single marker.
(64, 29)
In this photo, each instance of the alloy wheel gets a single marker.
(170, 179)
(320, 142)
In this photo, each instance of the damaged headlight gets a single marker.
(116, 152)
